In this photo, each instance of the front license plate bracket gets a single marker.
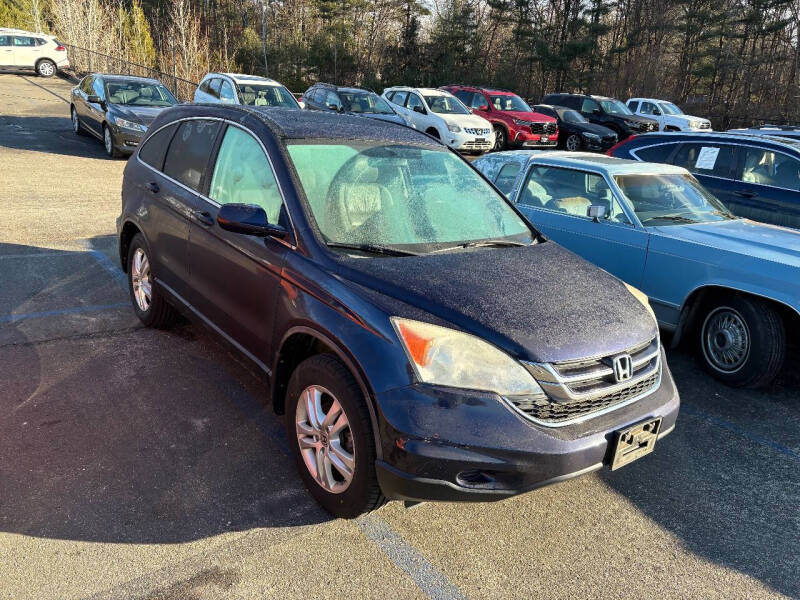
(635, 442)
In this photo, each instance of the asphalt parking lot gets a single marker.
(145, 464)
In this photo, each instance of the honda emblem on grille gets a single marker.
(623, 367)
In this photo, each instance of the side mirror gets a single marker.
(597, 111)
(483, 107)
(94, 99)
(248, 219)
(419, 109)
(596, 212)
(657, 112)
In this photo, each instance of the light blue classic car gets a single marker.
(732, 283)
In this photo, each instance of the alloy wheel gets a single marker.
(75, 124)
(726, 340)
(140, 280)
(107, 141)
(499, 138)
(573, 143)
(46, 69)
(325, 439)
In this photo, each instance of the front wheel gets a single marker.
(743, 341)
(149, 303)
(331, 438)
(108, 142)
(573, 143)
(500, 138)
(46, 68)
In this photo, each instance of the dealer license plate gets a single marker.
(635, 442)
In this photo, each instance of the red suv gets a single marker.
(515, 124)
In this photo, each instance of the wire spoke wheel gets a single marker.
(140, 280)
(726, 340)
(325, 439)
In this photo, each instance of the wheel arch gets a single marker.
(43, 58)
(301, 342)
(126, 234)
(690, 311)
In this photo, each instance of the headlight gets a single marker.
(642, 297)
(129, 124)
(520, 122)
(443, 356)
(454, 128)
(695, 124)
(591, 136)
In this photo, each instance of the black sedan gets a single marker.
(576, 133)
(117, 109)
(423, 340)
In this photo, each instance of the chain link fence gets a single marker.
(83, 61)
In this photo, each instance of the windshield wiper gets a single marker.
(483, 244)
(673, 218)
(372, 249)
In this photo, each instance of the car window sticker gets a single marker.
(707, 158)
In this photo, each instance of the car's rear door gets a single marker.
(767, 186)
(235, 277)
(556, 200)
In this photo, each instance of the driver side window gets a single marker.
(243, 175)
(414, 102)
(570, 192)
(589, 106)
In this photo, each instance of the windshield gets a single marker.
(446, 105)
(254, 94)
(510, 102)
(668, 108)
(401, 197)
(615, 107)
(671, 199)
(365, 102)
(138, 93)
(573, 116)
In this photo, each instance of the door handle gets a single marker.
(203, 217)
(153, 187)
(746, 193)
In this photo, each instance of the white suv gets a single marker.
(669, 116)
(234, 88)
(443, 116)
(24, 50)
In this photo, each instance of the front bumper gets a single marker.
(127, 139)
(467, 142)
(443, 444)
(600, 145)
(523, 139)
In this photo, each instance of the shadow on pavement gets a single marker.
(726, 482)
(53, 135)
(135, 435)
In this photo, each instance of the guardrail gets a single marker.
(83, 61)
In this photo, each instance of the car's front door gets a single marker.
(95, 111)
(235, 277)
(713, 164)
(25, 51)
(557, 199)
(767, 186)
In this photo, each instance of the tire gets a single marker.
(46, 68)
(326, 381)
(77, 127)
(742, 341)
(109, 143)
(573, 143)
(500, 139)
(148, 301)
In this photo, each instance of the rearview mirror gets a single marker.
(248, 219)
(596, 212)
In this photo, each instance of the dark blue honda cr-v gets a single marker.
(422, 339)
(754, 176)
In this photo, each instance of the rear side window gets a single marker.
(86, 84)
(465, 97)
(712, 159)
(189, 151)
(657, 154)
(633, 105)
(213, 87)
(204, 86)
(507, 176)
(154, 149)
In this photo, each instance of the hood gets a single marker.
(472, 121)
(529, 116)
(742, 236)
(139, 114)
(592, 128)
(390, 118)
(636, 119)
(540, 302)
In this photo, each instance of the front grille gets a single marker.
(577, 389)
(546, 128)
(473, 131)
